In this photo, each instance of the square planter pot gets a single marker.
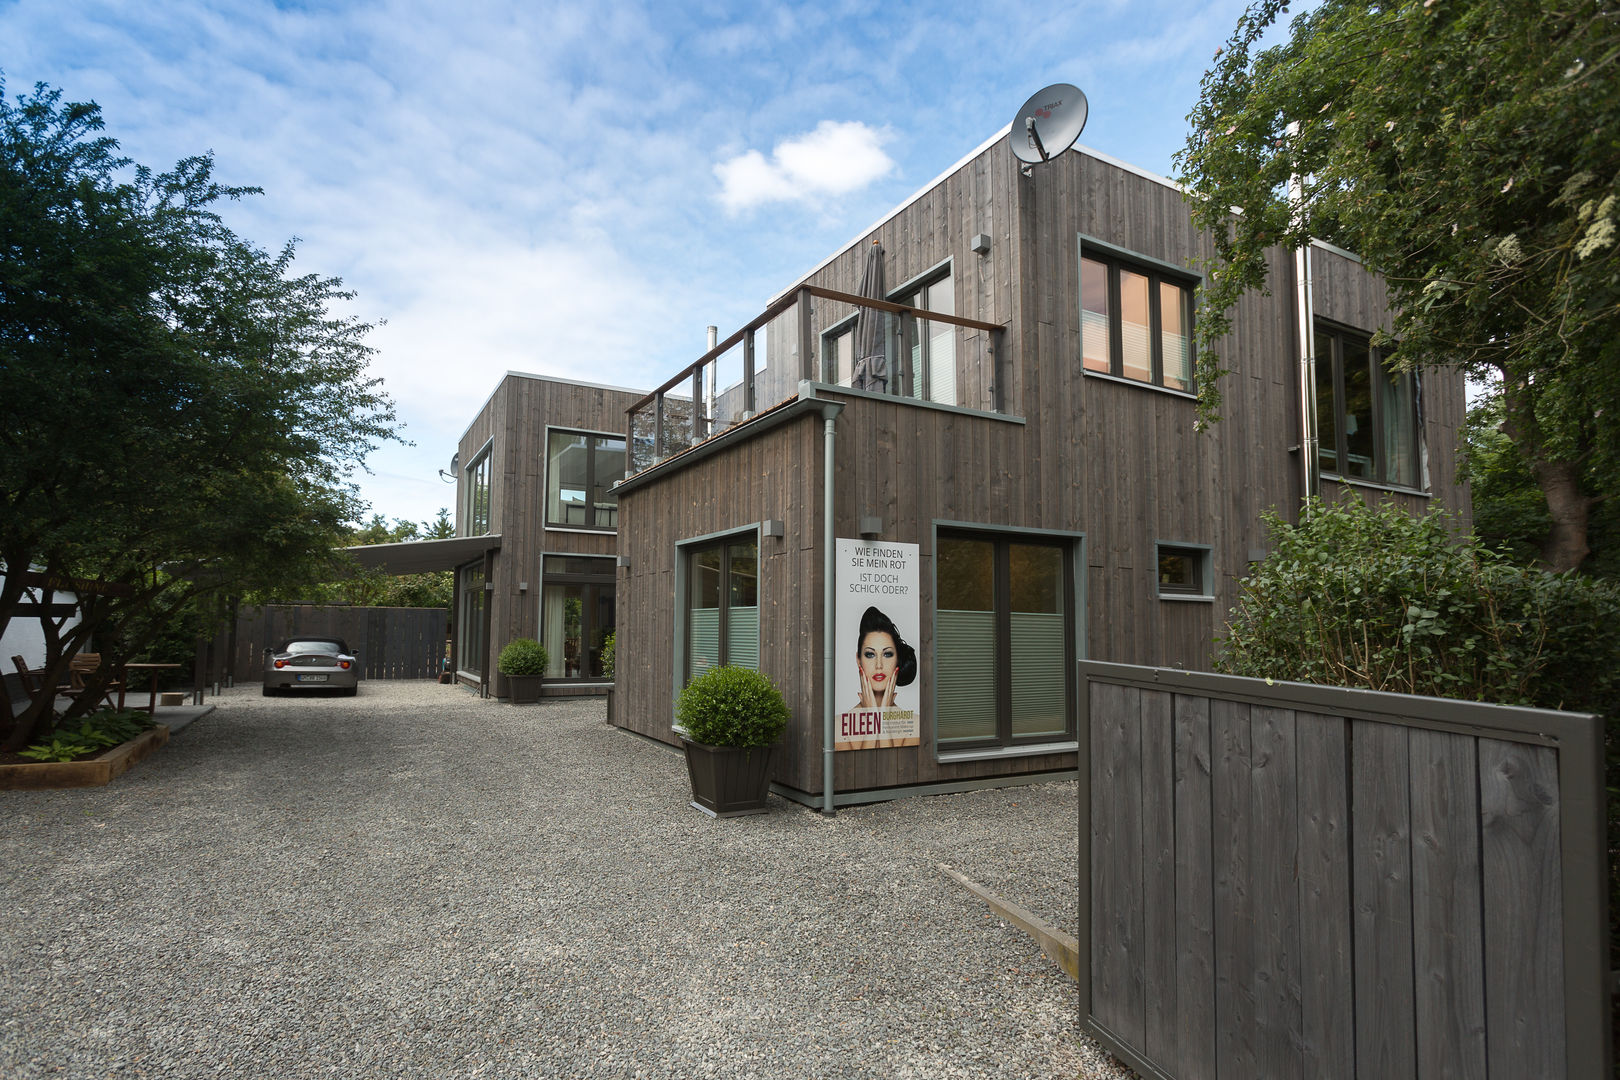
(728, 781)
(523, 689)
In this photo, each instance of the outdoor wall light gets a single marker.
(772, 527)
(871, 527)
(523, 586)
(624, 561)
(981, 243)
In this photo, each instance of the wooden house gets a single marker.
(1002, 441)
(536, 527)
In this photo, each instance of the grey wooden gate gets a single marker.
(390, 643)
(1291, 880)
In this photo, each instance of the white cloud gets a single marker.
(834, 159)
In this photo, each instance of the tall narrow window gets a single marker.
(722, 606)
(577, 613)
(932, 358)
(838, 353)
(1096, 336)
(475, 495)
(470, 619)
(1003, 640)
(1367, 418)
(581, 469)
(1135, 322)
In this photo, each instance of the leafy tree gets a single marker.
(184, 411)
(1468, 151)
(1510, 513)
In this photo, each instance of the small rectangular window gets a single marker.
(1183, 570)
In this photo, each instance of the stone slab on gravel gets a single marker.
(420, 883)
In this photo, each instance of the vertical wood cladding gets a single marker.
(1121, 463)
(517, 416)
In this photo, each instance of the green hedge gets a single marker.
(1376, 597)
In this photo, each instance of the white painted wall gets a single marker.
(22, 636)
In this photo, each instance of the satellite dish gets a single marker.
(1048, 124)
(455, 469)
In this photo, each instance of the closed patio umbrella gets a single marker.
(871, 361)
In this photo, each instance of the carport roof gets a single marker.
(421, 556)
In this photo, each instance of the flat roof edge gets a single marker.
(1078, 148)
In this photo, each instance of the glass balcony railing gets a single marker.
(821, 336)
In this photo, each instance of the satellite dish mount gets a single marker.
(1047, 125)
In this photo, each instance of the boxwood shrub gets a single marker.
(732, 706)
(523, 656)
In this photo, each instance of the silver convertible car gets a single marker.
(311, 663)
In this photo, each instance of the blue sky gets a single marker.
(579, 189)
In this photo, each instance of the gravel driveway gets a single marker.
(419, 883)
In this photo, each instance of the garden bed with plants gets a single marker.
(87, 752)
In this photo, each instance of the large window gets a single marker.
(576, 614)
(581, 470)
(1135, 322)
(722, 606)
(470, 641)
(475, 495)
(1367, 419)
(1003, 641)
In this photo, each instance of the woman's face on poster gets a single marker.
(878, 660)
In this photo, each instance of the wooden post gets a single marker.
(905, 380)
(806, 339)
(699, 420)
(658, 428)
(748, 374)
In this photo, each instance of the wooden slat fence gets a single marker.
(390, 643)
(1302, 881)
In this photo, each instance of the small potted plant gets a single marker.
(729, 719)
(522, 663)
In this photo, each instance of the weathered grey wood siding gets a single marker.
(1119, 464)
(516, 417)
(1328, 891)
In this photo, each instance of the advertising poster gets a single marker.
(877, 685)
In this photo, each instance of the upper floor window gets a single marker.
(475, 495)
(581, 469)
(928, 370)
(1135, 322)
(933, 345)
(1367, 418)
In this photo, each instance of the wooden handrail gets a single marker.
(758, 321)
(789, 301)
(900, 309)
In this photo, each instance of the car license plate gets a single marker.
(312, 678)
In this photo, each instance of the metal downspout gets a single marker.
(1304, 311)
(1309, 443)
(829, 601)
